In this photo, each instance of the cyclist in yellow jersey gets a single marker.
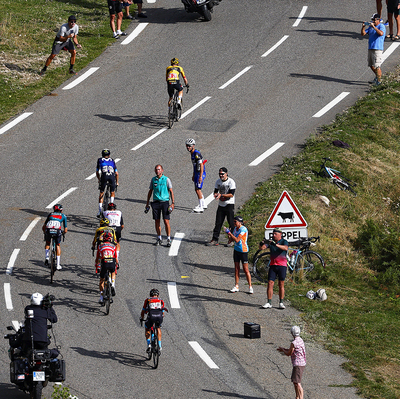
(173, 83)
(98, 237)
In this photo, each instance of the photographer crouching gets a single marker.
(36, 314)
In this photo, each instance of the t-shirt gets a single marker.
(160, 187)
(375, 42)
(242, 232)
(65, 30)
(278, 256)
(223, 187)
(299, 354)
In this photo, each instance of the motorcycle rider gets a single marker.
(36, 326)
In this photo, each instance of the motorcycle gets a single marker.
(32, 371)
(203, 7)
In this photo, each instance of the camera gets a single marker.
(48, 301)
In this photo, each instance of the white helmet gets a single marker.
(36, 299)
(295, 330)
(321, 295)
(190, 142)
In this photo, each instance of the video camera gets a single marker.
(47, 301)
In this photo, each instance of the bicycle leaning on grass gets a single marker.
(302, 262)
(336, 177)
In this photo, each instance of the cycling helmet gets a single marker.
(105, 153)
(58, 208)
(111, 205)
(36, 299)
(174, 61)
(104, 222)
(295, 330)
(190, 142)
(239, 219)
(107, 237)
(154, 292)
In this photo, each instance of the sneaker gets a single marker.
(112, 291)
(168, 242)
(123, 34)
(59, 267)
(42, 72)
(267, 306)
(141, 15)
(72, 72)
(281, 305)
(197, 209)
(158, 242)
(230, 244)
(98, 215)
(251, 290)
(46, 262)
(212, 243)
(377, 83)
(115, 36)
(234, 289)
(129, 17)
(372, 82)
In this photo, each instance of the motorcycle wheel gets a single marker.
(206, 13)
(36, 392)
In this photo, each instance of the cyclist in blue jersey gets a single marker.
(199, 174)
(52, 228)
(106, 172)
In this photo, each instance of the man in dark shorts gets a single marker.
(393, 10)
(139, 8)
(66, 37)
(278, 266)
(115, 8)
(161, 189)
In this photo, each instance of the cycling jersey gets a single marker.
(197, 160)
(153, 305)
(173, 72)
(54, 221)
(115, 218)
(106, 166)
(278, 256)
(107, 253)
(242, 233)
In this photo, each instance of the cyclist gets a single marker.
(173, 83)
(99, 238)
(108, 258)
(154, 307)
(106, 172)
(52, 228)
(116, 222)
(199, 174)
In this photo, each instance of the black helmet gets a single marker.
(111, 205)
(106, 152)
(154, 292)
(57, 208)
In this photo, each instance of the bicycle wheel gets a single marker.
(309, 265)
(53, 260)
(106, 198)
(261, 266)
(178, 112)
(107, 296)
(171, 117)
(345, 186)
(155, 349)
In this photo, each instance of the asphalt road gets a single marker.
(121, 106)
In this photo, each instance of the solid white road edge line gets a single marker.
(300, 17)
(136, 32)
(275, 46)
(61, 197)
(389, 51)
(203, 355)
(7, 296)
(29, 229)
(149, 139)
(266, 154)
(235, 77)
(173, 295)
(15, 122)
(176, 242)
(327, 107)
(194, 107)
(81, 78)
(12, 260)
(94, 174)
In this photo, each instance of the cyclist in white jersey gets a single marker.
(116, 222)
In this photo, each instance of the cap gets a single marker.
(71, 18)
(238, 218)
(375, 16)
(277, 230)
(224, 170)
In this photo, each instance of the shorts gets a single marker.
(107, 266)
(114, 7)
(118, 230)
(297, 374)
(375, 58)
(275, 270)
(392, 7)
(52, 233)
(104, 181)
(171, 87)
(58, 46)
(197, 185)
(240, 257)
(154, 318)
(160, 207)
(138, 1)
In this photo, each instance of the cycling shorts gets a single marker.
(56, 233)
(172, 86)
(160, 207)
(104, 180)
(197, 185)
(156, 317)
(58, 46)
(118, 230)
(240, 257)
(275, 271)
(107, 265)
(114, 7)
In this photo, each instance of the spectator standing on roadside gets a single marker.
(66, 37)
(379, 6)
(297, 352)
(393, 7)
(376, 32)
(115, 9)
(161, 189)
(126, 4)
(199, 174)
(139, 6)
(224, 191)
(241, 251)
(278, 247)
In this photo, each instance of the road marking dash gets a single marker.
(203, 355)
(61, 197)
(29, 228)
(275, 46)
(195, 106)
(15, 122)
(235, 77)
(327, 107)
(136, 32)
(7, 296)
(81, 78)
(12, 260)
(266, 154)
(173, 295)
(300, 17)
(176, 242)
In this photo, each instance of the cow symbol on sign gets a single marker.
(286, 215)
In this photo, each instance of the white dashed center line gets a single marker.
(81, 78)
(203, 355)
(15, 122)
(12, 260)
(300, 17)
(235, 77)
(61, 197)
(173, 296)
(176, 242)
(327, 107)
(29, 229)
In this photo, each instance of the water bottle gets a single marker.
(367, 24)
(227, 231)
(293, 258)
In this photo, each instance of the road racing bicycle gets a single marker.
(154, 350)
(336, 177)
(53, 256)
(175, 109)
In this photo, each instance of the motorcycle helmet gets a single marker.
(104, 222)
(36, 299)
(111, 206)
(190, 142)
(295, 330)
(105, 153)
(107, 237)
(174, 61)
(57, 208)
(154, 292)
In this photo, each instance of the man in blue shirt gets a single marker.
(161, 189)
(376, 31)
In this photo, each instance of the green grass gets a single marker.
(27, 31)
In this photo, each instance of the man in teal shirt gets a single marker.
(161, 189)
